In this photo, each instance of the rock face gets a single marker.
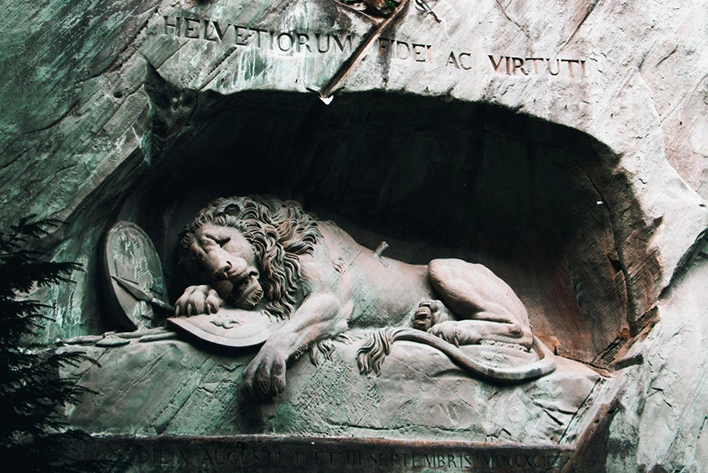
(560, 144)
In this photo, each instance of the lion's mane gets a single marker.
(278, 231)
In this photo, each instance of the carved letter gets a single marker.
(219, 33)
(570, 65)
(419, 51)
(453, 60)
(143, 456)
(192, 28)
(185, 458)
(462, 64)
(557, 67)
(319, 44)
(174, 25)
(398, 50)
(289, 42)
(347, 42)
(533, 60)
(302, 40)
(206, 456)
(353, 458)
(216, 456)
(242, 35)
(495, 65)
(255, 32)
(206, 31)
(383, 46)
(249, 458)
(519, 64)
(319, 461)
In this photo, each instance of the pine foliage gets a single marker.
(31, 392)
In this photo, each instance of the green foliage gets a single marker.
(31, 391)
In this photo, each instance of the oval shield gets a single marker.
(228, 327)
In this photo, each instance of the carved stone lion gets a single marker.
(261, 253)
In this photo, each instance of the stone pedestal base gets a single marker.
(170, 387)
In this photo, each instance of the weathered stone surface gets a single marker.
(170, 387)
(660, 423)
(584, 192)
(143, 84)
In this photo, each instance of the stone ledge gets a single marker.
(174, 388)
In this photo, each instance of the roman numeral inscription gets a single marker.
(291, 42)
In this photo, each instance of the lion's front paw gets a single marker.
(264, 377)
(427, 314)
(198, 300)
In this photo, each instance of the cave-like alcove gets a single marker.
(433, 177)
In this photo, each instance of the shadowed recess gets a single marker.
(540, 204)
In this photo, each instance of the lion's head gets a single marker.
(247, 249)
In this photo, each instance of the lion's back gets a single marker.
(383, 291)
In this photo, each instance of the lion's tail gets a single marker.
(373, 353)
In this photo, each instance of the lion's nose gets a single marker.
(233, 269)
(222, 274)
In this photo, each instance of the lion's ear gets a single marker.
(233, 210)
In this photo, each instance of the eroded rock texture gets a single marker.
(169, 387)
(561, 144)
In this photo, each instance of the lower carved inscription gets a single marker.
(282, 454)
(266, 458)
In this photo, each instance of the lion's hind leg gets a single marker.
(473, 332)
(485, 307)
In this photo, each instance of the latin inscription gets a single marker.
(406, 52)
(266, 454)
(292, 42)
(460, 60)
(256, 458)
(512, 66)
(411, 52)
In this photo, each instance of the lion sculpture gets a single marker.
(259, 253)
